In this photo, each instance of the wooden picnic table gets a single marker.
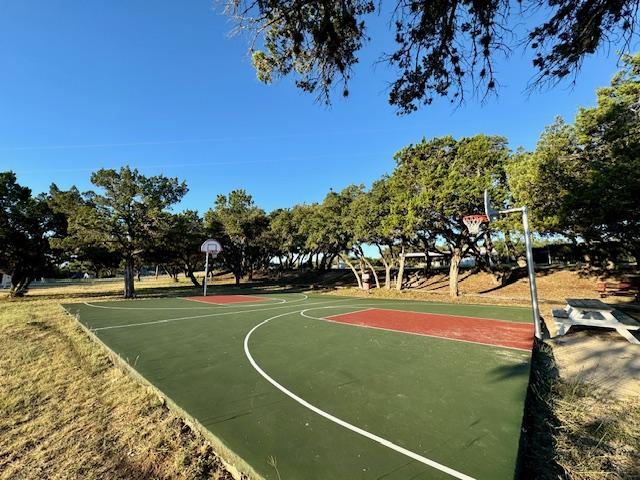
(595, 313)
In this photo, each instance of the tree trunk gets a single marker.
(400, 271)
(193, 278)
(373, 270)
(511, 249)
(454, 270)
(387, 272)
(636, 254)
(129, 274)
(236, 277)
(353, 269)
(387, 267)
(19, 285)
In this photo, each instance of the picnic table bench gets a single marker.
(623, 289)
(594, 313)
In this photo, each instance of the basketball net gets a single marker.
(474, 222)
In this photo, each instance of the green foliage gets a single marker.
(439, 181)
(544, 179)
(240, 226)
(85, 256)
(582, 180)
(26, 224)
(443, 49)
(124, 218)
(177, 243)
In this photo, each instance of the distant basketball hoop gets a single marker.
(474, 222)
(212, 247)
(209, 247)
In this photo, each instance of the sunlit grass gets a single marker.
(68, 412)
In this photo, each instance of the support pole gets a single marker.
(532, 272)
(206, 273)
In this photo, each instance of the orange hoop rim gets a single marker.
(478, 217)
(473, 222)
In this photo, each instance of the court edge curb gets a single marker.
(234, 464)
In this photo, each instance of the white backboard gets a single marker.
(211, 246)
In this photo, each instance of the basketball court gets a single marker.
(290, 385)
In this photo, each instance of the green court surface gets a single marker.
(276, 384)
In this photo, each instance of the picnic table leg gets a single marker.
(563, 328)
(627, 334)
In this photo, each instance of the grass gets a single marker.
(598, 438)
(68, 412)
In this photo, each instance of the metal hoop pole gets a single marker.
(206, 273)
(532, 272)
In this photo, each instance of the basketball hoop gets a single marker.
(209, 247)
(473, 222)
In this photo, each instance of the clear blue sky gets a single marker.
(162, 87)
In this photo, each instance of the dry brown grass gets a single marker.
(69, 412)
(598, 438)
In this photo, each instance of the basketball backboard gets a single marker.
(489, 211)
(211, 246)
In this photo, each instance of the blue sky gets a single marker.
(162, 87)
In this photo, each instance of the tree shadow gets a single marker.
(267, 287)
(536, 450)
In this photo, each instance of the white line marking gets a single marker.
(212, 305)
(236, 304)
(328, 319)
(342, 423)
(454, 315)
(167, 320)
(148, 308)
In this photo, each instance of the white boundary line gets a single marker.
(212, 305)
(342, 423)
(168, 320)
(431, 302)
(527, 322)
(236, 304)
(328, 319)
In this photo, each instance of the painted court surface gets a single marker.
(298, 386)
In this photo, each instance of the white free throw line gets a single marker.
(342, 423)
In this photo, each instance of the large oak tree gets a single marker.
(125, 216)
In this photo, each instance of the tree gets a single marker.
(372, 212)
(442, 48)
(285, 238)
(543, 179)
(126, 217)
(582, 180)
(334, 232)
(238, 224)
(95, 257)
(444, 179)
(26, 224)
(177, 244)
